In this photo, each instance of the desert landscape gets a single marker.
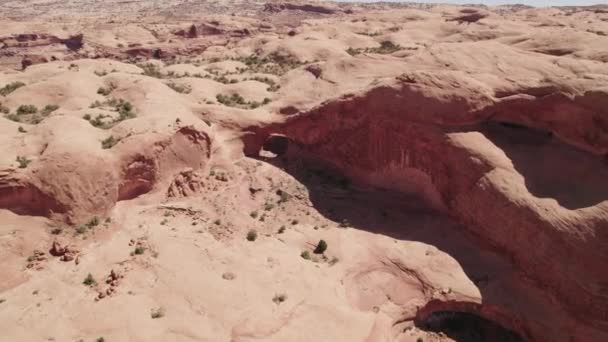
(237, 171)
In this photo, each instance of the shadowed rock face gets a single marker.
(487, 176)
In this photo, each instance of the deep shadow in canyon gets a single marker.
(403, 217)
(467, 327)
(551, 168)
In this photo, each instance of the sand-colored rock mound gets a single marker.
(302, 171)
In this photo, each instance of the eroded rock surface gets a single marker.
(190, 157)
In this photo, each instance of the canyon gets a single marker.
(303, 171)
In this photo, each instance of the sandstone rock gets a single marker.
(29, 60)
(185, 184)
(57, 249)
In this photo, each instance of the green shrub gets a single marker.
(386, 47)
(252, 235)
(27, 109)
(97, 121)
(106, 91)
(48, 109)
(89, 280)
(182, 89)
(11, 87)
(109, 142)
(93, 222)
(103, 91)
(231, 101)
(272, 85)
(139, 250)
(305, 255)
(23, 162)
(124, 109)
(13, 117)
(353, 52)
(151, 70)
(321, 247)
(81, 229)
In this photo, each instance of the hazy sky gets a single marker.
(502, 2)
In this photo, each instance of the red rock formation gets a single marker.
(29, 60)
(379, 136)
(186, 183)
(312, 8)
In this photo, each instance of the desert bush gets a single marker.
(93, 222)
(369, 34)
(321, 247)
(13, 117)
(23, 162)
(21, 130)
(151, 70)
(89, 280)
(272, 85)
(98, 121)
(27, 109)
(272, 64)
(81, 229)
(11, 87)
(182, 89)
(109, 142)
(139, 250)
(232, 100)
(48, 109)
(386, 47)
(282, 230)
(125, 110)
(252, 235)
(254, 214)
(305, 255)
(106, 91)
